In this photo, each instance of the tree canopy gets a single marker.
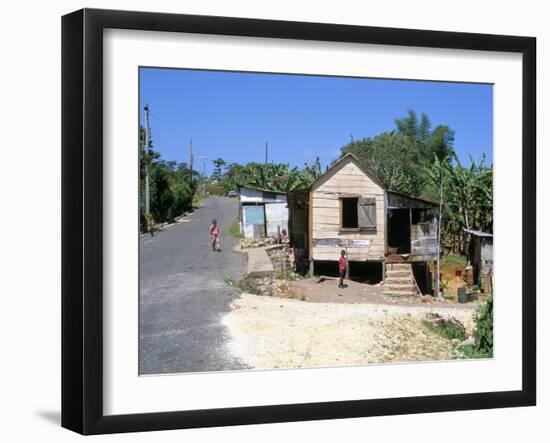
(172, 185)
(416, 159)
(279, 177)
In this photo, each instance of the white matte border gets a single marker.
(125, 392)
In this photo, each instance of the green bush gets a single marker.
(447, 330)
(235, 229)
(483, 334)
(215, 189)
(248, 285)
(182, 198)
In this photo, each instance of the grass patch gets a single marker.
(470, 352)
(247, 285)
(289, 275)
(215, 189)
(235, 229)
(447, 330)
(451, 262)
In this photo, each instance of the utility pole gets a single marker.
(203, 158)
(191, 161)
(438, 267)
(147, 159)
(266, 153)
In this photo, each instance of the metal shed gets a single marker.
(262, 213)
(480, 256)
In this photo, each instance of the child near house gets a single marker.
(342, 266)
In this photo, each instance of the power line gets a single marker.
(165, 141)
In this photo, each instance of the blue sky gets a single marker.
(231, 115)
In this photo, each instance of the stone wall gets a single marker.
(281, 259)
(247, 243)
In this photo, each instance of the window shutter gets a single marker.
(366, 210)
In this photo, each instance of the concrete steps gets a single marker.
(399, 281)
(398, 267)
(398, 274)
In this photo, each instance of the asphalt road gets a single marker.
(184, 293)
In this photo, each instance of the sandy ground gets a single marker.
(327, 291)
(271, 332)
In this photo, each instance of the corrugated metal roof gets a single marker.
(412, 197)
(478, 233)
(260, 189)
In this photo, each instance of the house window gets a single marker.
(358, 213)
(349, 212)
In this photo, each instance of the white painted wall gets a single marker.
(276, 215)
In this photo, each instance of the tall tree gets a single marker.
(172, 184)
(219, 163)
(424, 132)
(393, 157)
(271, 176)
(408, 126)
(441, 142)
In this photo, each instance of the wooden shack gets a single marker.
(348, 208)
(262, 213)
(480, 256)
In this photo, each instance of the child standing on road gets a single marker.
(150, 225)
(215, 235)
(342, 266)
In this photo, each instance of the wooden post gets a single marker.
(310, 233)
(438, 265)
(347, 264)
(410, 229)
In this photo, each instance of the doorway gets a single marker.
(399, 231)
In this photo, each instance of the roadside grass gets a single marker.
(446, 330)
(469, 351)
(246, 285)
(197, 198)
(235, 229)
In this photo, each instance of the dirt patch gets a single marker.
(271, 332)
(327, 291)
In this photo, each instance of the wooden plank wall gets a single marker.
(424, 239)
(347, 181)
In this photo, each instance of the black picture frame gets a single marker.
(82, 215)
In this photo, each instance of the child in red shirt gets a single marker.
(215, 235)
(342, 266)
